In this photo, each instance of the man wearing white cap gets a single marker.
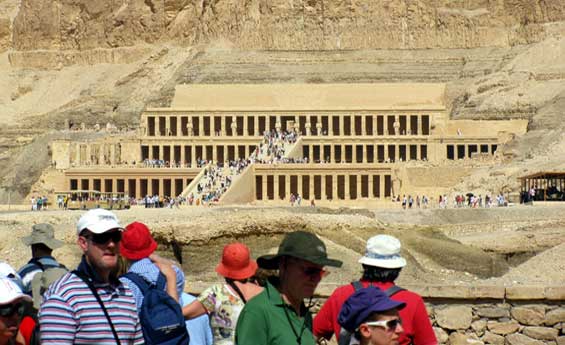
(382, 264)
(90, 305)
(11, 310)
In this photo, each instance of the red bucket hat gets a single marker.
(137, 242)
(236, 262)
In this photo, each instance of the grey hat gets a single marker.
(42, 233)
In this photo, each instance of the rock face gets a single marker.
(286, 25)
(454, 317)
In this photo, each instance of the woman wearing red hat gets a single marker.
(223, 302)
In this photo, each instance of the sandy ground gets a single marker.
(497, 246)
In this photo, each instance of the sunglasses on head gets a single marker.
(105, 237)
(389, 325)
(10, 309)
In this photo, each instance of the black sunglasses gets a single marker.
(8, 310)
(103, 238)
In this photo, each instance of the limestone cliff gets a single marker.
(286, 24)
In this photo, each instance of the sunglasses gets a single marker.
(9, 310)
(105, 237)
(389, 325)
(314, 272)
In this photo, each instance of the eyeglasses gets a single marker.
(314, 272)
(103, 238)
(8, 310)
(389, 325)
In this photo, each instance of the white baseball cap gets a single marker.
(98, 221)
(10, 292)
(383, 251)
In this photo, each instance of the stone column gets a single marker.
(299, 186)
(287, 187)
(347, 188)
(90, 183)
(341, 129)
(264, 182)
(386, 130)
(182, 156)
(115, 185)
(161, 186)
(370, 187)
(466, 151)
(246, 125)
(375, 132)
(112, 154)
(342, 153)
(193, 155)
(354, 153)
(382, 186)
(363, 125)
(276, 187)
(167, 125)
(201, 125)
(311, 188)
(161, 152)
(212, 126)
(330, 125)
(150, 190)
(365, 154)
(418, 152)
(359, 186)
(256, 125)
(323, 195)
(420, 125)
(334, 187)
(332, 153)
(387, 153)
(138, 189)
(215, 153)
(88, 157)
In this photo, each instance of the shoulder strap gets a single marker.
(85, 279)
(38, 263)
(236, 289)
(357, 285)
(393, 290)
(137, 280)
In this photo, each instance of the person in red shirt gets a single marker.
(382, 264)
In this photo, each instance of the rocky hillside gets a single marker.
(286, 25)
(105, 61)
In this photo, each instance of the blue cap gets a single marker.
(359, 306)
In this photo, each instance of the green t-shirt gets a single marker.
(266, 320)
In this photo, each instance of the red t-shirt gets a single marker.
(26, 328)
(415, 319)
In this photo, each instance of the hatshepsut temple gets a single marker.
(350, 143)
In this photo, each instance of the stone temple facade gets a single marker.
(352, 143)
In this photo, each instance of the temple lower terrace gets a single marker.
(356, 143)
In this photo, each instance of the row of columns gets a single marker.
(190, 153)
(133, 187)
(356, 153)
(249, 125)
(375, 186)
(461, 151)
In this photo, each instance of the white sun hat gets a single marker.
(383, 251)
(10, 292)
(98, 221)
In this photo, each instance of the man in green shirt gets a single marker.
(278, 316)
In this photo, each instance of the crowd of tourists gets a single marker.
(123, 293)
(469, 200)
(39, 203)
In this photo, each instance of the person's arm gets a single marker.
(251, 327)
(194, 309)
(57, 322)
(166, 267)
(423, 331)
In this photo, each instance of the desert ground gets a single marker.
(498, 246)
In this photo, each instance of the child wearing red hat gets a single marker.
(223, 302)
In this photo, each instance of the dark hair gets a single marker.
(41, 246)
(380, 274)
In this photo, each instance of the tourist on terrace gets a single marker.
(371, 318)
(382, 264)
(278, 315)
(223, 302)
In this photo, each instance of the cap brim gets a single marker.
(271, 262)
(393, 263)
(8, 300)
(52, 243)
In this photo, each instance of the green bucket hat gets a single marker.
(301, 245)
(42, 233)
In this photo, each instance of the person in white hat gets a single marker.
(11, 310)
(90, 305)
(382, 264)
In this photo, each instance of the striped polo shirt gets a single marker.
(70, 314)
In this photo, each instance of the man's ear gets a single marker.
(365, 331)
(82, 243)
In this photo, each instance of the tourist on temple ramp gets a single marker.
(382, 264)
(278, 315)
(371, 318)
(223, 302)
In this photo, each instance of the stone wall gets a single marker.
(475, 315)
